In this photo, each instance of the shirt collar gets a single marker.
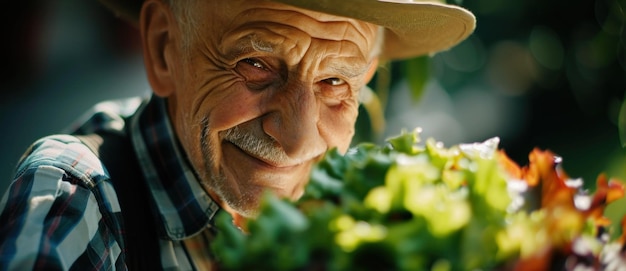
(181, 205)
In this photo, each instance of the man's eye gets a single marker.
(254, 63)
(256, 73)
(334, 81)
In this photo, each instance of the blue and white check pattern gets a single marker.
(61, 210)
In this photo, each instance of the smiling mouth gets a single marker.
(268, 163)
(248, 170)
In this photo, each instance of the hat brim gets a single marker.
(413, 28)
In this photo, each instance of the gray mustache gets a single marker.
(260, 145)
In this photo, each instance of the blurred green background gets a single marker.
(540, 74)
(546, 74)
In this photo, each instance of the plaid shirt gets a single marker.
(62, 212)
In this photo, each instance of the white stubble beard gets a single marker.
(215, 179)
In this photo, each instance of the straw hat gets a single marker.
(413, 27)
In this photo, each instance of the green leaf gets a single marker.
(417, 75)
(621, 123)
(405, 142)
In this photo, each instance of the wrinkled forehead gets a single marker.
(234, 19)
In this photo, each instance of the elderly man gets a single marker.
(247, 95)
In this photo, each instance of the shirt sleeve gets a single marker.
(52, 221)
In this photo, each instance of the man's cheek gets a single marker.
(338, 129)
(237, 107)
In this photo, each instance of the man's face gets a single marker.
(266, 90)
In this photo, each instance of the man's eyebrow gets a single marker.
(350, 70)
(248, 44)
(260, 45)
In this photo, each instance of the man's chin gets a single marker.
(249, 202)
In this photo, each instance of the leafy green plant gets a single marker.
(409, 205)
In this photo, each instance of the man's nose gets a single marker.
(294, 122)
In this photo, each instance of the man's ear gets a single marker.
(155, 25)
(371, 70)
